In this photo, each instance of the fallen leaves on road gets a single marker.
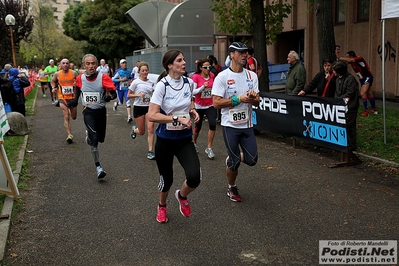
(267, 167)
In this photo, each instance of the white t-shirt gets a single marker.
(103, 69)
(173, 98)
(228, 84)
(139, 86)
(135, 73)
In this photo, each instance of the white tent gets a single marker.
(389, 9)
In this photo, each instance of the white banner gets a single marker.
(389, 9)
(3, 120)
(350, 252)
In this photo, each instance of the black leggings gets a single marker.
(211, 114)
(96, 124)
(184, 150)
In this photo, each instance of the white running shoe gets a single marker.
(100, 173)
(210, 153)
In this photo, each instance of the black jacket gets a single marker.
(319, 82)
(348, 87)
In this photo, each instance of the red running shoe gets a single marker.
(184, 205)
(365, 113)
(374, 111)
(233, 194)
(161, 215)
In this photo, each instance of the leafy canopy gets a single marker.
(103, 25)
(234, 17)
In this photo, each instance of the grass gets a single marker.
(370, 135)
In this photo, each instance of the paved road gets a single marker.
(291, 201)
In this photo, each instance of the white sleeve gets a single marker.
(133, 86)
(227, 62)
(218, 87)
(159, 93)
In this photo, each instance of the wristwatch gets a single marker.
(175, 117)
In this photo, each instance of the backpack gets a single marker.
(7, 91)
(185, 81)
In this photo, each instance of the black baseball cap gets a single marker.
(237, 46)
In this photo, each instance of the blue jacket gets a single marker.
(121, 73)
(13, 72)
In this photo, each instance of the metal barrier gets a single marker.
(278, 73)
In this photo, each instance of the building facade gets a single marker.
(59, 7)
(357, 27)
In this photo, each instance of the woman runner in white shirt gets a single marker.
(171, 106)
(141, 90)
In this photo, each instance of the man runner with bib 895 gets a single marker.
(235, 90)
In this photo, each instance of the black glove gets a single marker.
(107, 98)
(113, 94)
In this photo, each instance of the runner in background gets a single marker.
(141, 91)
(43, 81)
(122, 79)
(50, 70)
(63, 84)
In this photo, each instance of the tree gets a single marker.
(264, 23)
(44, 35)
(325, 30)
(103, 25)
(47, 41)
(21, 30)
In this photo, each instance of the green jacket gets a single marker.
(296, 79)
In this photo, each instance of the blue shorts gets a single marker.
(367, 80)
(122, 94)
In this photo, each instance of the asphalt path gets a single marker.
(291, 200)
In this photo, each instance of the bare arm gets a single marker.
(54, 81)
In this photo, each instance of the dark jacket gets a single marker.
(296, 79)
(319, 82)
(348, 87)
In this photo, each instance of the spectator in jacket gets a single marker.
(324, 81)
(19, 83)
(296, 76)
(347, 88)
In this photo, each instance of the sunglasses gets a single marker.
(206, 67)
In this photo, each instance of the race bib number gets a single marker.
(206, 93)
(67, 90)
(238, 116)
(178, 125)
(145, 99)
(124, 84)
(91, 98)
(359, 75)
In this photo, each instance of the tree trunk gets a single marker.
(259, 38)
(325, 30)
